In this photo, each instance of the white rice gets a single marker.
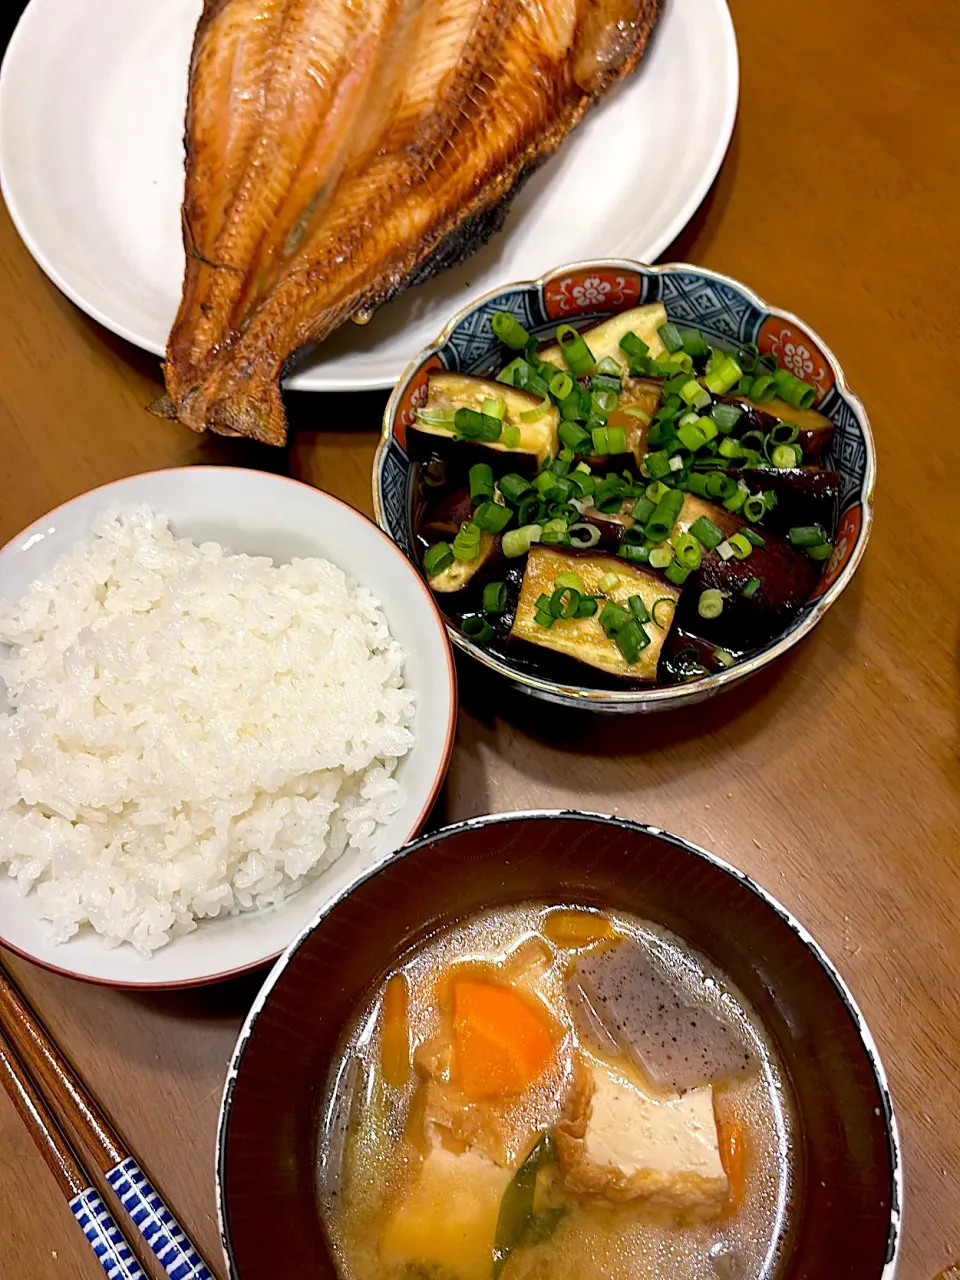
(191, 733)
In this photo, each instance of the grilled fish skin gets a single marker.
(339, 151)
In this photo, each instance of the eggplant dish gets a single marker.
(625, 505)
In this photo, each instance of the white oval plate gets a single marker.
(260, 514)
(92, 99)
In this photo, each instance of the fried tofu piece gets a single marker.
(622, 1141)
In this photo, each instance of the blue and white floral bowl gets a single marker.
(726, 311)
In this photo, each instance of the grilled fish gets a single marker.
(339, 151)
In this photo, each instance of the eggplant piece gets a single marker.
(465, 573)
(816, 430)
(443, 518)
(612, 525)
(584, 638)
(787, 577)
(805, 495)
(686, 656)
(603, 338)
(538, 440)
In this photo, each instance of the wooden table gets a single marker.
(832, 780)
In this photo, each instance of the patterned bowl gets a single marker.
(727, 312)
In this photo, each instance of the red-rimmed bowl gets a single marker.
(259, 514)
(727, 312)
(842, 1219)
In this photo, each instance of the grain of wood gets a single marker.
(833, 780)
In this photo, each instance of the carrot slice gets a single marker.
(732, 1140)
(500, 1043)
(395, 1032)
(575, 929)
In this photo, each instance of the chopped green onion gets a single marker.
(534, 415)
(636, 412)
(807, 535)
(477, 426)
(635, 347)
(544, 482)
(750, 587)
(481, 482)
(529, 508)
(660, 524)
(694, 343)
(555, 533)
(660, 557)
(688, 551)
(697, 484)
(706, 532)
(725, 551)
(670, 337)
(723, 658)
(601, 441)
(561, 385)
(677, 573)
(612, 616)
(664, 600)
(693, 394)
(495, 597)
(583, 536)
(576, 353)
(437, 558)
(491, 517)
(749, 353)
(616, 440)
(784, 433)
(725, 376)
(691, 436)
(752, 537)
(609, 368)
(710, 604)
(763, 388)
(784, 456)
(630, 639)
(675, 362)
(726, 416)
(466, 545)
(608, 582)
(587, 607)
(603, 403)
(742, 546)
(508, 373)
(574, 436)
(478, 629)
(754, 507)
(720, 486)
(736, 499)
(509, 330)
(543, 619)
(569, 579)
(730, 448)
(493, 408)
(564, 602)
(636, 555)
(820, 552)
(437, 417)
(643, 509)
(751, 440)
(638, 609)
(513, 487)
(657, 464)
(517, 542)
(511, 437)
(792, 389)
(606, 381)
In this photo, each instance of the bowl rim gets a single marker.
(666, 696)
(844, 994)
(449, 736)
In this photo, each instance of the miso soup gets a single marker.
(554, 1092)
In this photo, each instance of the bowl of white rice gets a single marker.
(225, 697)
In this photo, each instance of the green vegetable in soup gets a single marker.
(518, 1223)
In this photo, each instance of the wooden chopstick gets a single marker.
(94, 1218)
(167, 1240)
